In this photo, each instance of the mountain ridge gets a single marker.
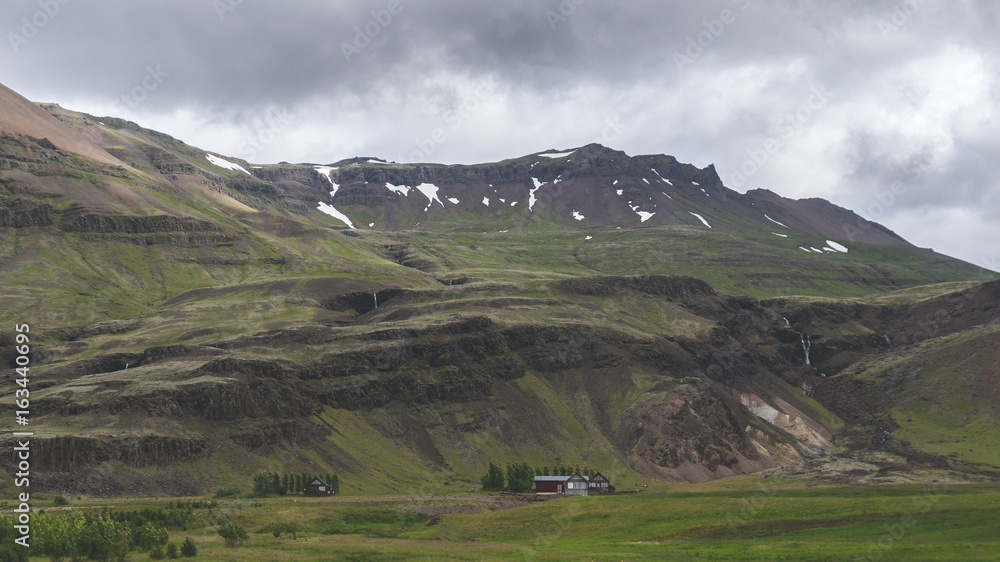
(197, 317)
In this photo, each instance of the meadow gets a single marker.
(747, 518)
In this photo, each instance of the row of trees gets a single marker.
(275, 484)
(521, 478)
(103, 536)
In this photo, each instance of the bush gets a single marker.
(157, 553)
(266, 483)
(277, 529)
(233, 534)
(172, 551)
(493, 479)
(227, 491)
(149, 535)
(189, 549)
(60, 501)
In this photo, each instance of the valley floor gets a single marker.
(749, 518)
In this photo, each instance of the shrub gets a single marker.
(227, 491)
(149, 535)
(233, 534)
(493, 479)
(189, 549)
(157, 553)
(60, 501)
(172, 552)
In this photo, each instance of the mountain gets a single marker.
(197, 318)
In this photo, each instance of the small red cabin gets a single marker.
(318, 487)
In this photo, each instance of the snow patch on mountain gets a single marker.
(486, 201)
(838, 247)
(330, 210)
(644, 216)
(454, 200)
(325, 172)
(663, 179)
(401, 189)
(226, 164)
(702, 219)
(781, 235)
(531, 193)
(557, 154)
(431, 192)
(775, 222)
(577, 215)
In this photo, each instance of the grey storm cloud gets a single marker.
(909, 89)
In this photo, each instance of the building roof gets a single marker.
(557, 478)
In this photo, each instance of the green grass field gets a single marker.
(749, 518)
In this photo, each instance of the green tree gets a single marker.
(149, 535)
(493, 479)
(284, 484)
(233, 534)
(189, 549)
(334, 482)
(172, 551)
(545, 471)
(520, 477)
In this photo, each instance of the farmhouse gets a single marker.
(318, 487)
(575, 485)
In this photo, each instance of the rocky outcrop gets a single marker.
(127, 224)
(67, 453)
(693, 433)
(22, 213)
(675, 287)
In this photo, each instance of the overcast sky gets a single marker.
(885, 107)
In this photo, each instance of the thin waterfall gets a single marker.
(786, 321)
(375, 297)
(806, 345)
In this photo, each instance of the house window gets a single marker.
(322, 488)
